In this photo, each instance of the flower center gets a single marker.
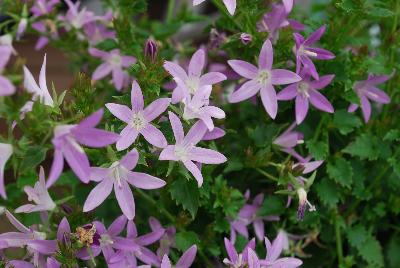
(304, 51)
(263, 77)
(115, 60)
(106, 240)
(138, 122)
(181, 152)
(192, 85)
(303, 88)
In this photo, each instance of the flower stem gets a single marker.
(155, 204)
(63, 200)
(339, 247)
(269, 176)
(170, 10)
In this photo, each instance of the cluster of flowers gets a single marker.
(193, 90)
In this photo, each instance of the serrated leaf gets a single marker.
(365, 146)
(186, 193)
(346, 122)
(318, 149)
(327, 192)
(185, 240)
(33, 157)
(392, 135)
(341, 171)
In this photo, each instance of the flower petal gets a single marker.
(246, 91)
(102, 71)
(266, 57)
(156, 108)
(56, 168)
(315, 36)
(377, 95)
(366, 108)
(230, 6)
(206, 156)
(95, 138)
(175, 70)
(195, 134)
(129, 161)
(127, 136)
(154, 136)
(121, 112)
(144, 181)
(196, 63)
(288, 93)
(136, 97)
(177, 127)
(269, 100)
(168, 153)
(301, 108)
(195, 171)
(98, 195)
(212, 78)
(283, 77)
(322, 82)
(77, 161)
(125, 199)
(244, 68)
(320, 102)
(117, 226)
(187, 258)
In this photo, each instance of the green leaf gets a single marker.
(318, 149)
(368, 147)
(392, 135)
(341, 171)
(27, 179)
(380, 12)
(327, 192)
(346, 122)
(185, 240)
(186, 193)
(395, 163)
(33, 157)
(392, 252)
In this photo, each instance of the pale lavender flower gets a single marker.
(288, 5)
(193, 80)
(246, 38)
(274, 250)
(6, 50)
(23, 23)
(35, 241)
(43, 7)
(215, 134)
(123, 258)
(305, 51)
(309, 166)
(67, 140)
(367, 91)
(113, 62)
(39, 92)
(138, 119)
(230, 5)
(45, 28)
(234, 258)
(185, 261)
(6, 150)
(262, 79)
(119, 176)
(109, 240)
(185, 149)
(306, 91)
(39, 195)
(167, 240)
(75, 18)
(97, 32)
(289, 139)
(198, 107)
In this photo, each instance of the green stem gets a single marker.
(63, 200)
(269, 176)
(155, 204)
(339, 247)
(170, 10)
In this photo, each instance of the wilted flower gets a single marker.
(138, 119)
(67, 140)
(39, 195)
(189, 83)
(305, 51)
(262, 79)
(303, 203)
(230, 5)
(366, 90)
(119, 176)
(6, 151)
(185, 261)
(113, 63)
(185, 149)
(306, 91)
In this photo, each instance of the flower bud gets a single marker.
(150, 49)
(246, 38)
(303, 203)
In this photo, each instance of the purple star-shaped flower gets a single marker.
(234, 258)
(113, 63)
(75, 18)
(193, 80)
(67, 140)
(262, 79)
(119, 176)
(185, 149)
(167, 240)
(185, 261)
(305, 51)
(139, 119)
(43, 7)
(306, 91)
(366, 90)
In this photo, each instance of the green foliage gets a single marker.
(186, 193)
(341, 172)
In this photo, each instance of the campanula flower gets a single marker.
(185, 261)
(113, 62)
(6, 150)
(67, 140)
(306, 91)
(305, 51)
(367, 91)
(198, 107)
(261, 79)
(39, 195)
(230, 5)
(119, 176)
(43, 7)
(185, 149)
(193, 80)
(6, 50)
(303, 203)
(138, 119)
(167, 240)
(235, 259)
(75, 18)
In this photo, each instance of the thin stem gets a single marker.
(339, 247)
(64, 200)
(269, 176)
(154, 203)
(170, 10)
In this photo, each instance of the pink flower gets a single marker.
(189, 83)
(230, 5)
(113, 62)
(261, 79)
(39, 195)
(119, 176)
(185, 149)
(367, 91)
(138, 119)
(67, 140)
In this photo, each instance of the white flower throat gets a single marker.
(264, 77)
(303, 88)
(138, 121)
(304, 51)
